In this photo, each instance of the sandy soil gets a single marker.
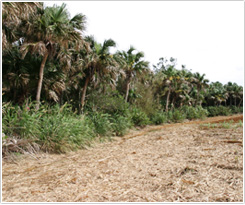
(178, 162)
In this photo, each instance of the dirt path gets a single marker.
(177, 162)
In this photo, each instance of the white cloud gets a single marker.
(206, 36)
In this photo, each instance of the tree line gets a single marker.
(47, 58)
(62, 89)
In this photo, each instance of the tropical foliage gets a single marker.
(61, 89)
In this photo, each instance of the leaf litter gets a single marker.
(176, 163)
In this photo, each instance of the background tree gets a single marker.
(98, 64)
(201, 84)
(133, 65)
(13, 14)
(53, 31)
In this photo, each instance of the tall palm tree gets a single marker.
(133, 65)
(15, 74)
(167, 72)
(13, 13)
(53, 30)
(237, 93)
(201, 84)
(98, 63)
(217, 93)
(229, 89)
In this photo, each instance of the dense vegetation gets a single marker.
(62, 89)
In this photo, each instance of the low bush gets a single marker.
(201, 112)
(112, 104)
(20, 121)
(194, 112)
(159, 118)
(121, 124)
(55, 129)
(236, 110)
(138, 117)
(176, 115)
(219, 110)
(102, 123)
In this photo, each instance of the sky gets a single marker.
(205, 36)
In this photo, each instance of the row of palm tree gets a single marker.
(45, 54)
(182, 87)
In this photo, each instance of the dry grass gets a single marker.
(178, 162)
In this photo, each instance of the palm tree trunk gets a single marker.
(240, 102)
(127, 90)
(173, 103)
(167, 100)
(61, 98)
(84, 92)
(198, 97)
(40, 81)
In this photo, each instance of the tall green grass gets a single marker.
(218, 110)
(194, 112)
(55, 129)
(58, 129)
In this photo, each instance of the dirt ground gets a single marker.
(183, 162)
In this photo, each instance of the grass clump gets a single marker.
(138, 117)
(176, 115)
(236, 110)
(226, 125)
(62, 130)
(121, 124)
(55, 129)
(194, 112)
(102, 123)
(159, 118)
(219, 110)
(239, 124)
(20, 121)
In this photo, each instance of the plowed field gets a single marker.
(184, 162)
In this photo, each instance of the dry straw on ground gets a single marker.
(179, 162)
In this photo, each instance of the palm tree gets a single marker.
(167, 73)
(133, 64)
(229, 89)
(20, 76)
(15, 77)
(201, 84)
(13, 13)
(217, 93)
(98, 63)
(237, 93)
(53, 30)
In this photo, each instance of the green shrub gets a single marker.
(55, 129)
(191, 112)
(62, 130)
(138, 117)
(224, 110)
(20, 122)
(194, 112)
(120, 124)
(159, 118)
(202, 112)
(212, 111)
(112, 103)
(102, 123)
(176, 115)
(218, 110)
(236, 110)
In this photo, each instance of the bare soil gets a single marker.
(168, 163)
